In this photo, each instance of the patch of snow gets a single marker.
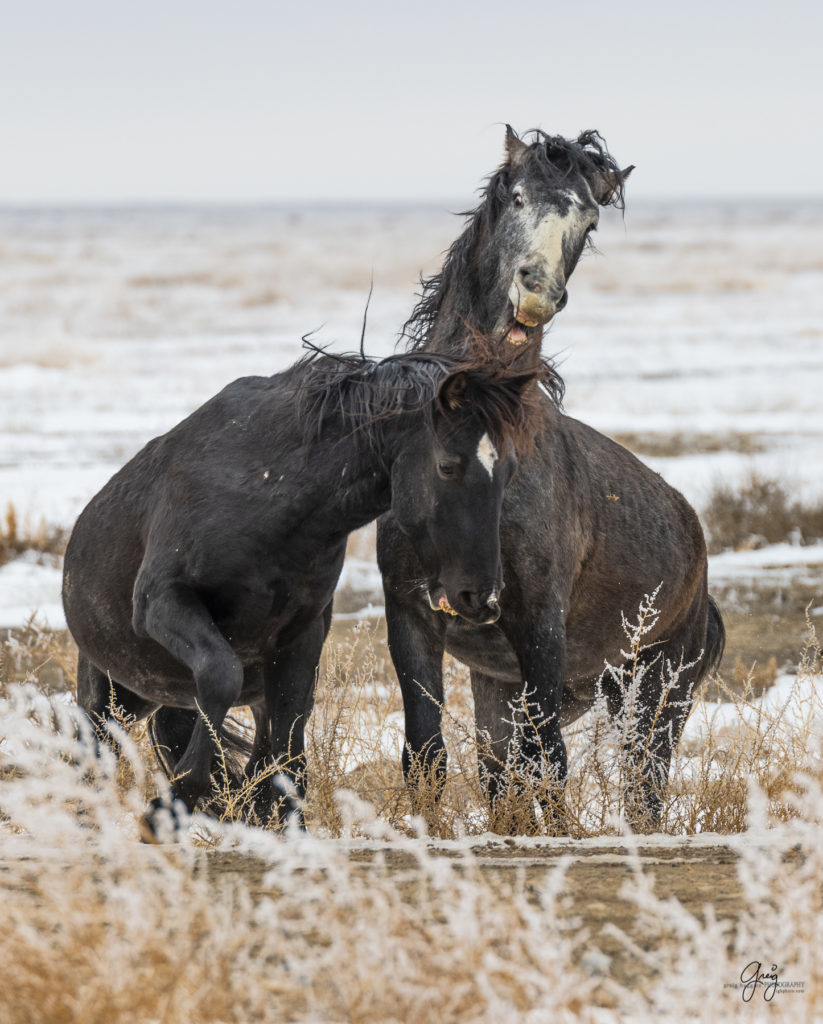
(371, 611)
(773, 556)
(795, 700)
(361, 574)
(28, 586)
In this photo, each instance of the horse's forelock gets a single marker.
(556, 158)
(504, 396)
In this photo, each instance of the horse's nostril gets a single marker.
(531, 278)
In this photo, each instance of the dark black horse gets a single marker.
(201, 576)
(587, 530)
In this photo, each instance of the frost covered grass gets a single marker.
(98, 927)
(751, 734)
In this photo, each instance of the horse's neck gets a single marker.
(357, 480)
(449, 334)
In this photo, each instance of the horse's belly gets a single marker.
(486, 649)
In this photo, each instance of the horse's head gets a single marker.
(545, 202)
(447, 486)
(506, 275)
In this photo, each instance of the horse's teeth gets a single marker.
(526, 323)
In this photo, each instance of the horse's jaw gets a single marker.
(531, 312)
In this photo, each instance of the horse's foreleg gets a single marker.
(290, 675)
(179, 621)
(494, 716)
(498, 714)
(416, 648)
(539, 751)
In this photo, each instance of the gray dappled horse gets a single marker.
(201, 576)
(587, 530)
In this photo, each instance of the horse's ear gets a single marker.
(522, 382)
(607, 185)
(452, 392)
(514, 147)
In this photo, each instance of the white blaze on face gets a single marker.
(545, 238)
(487, 454)
(547, 235)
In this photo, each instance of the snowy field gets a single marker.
(694, 322)
(697, 332)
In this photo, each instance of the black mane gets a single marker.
(556, 159)
(362, 392)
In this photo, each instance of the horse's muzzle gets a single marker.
(535, 296)
(483, 608)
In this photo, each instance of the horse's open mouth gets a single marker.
(518, 333)
(439, 602)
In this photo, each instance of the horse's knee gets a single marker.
(218, 676)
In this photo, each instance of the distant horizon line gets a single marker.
(452, 205)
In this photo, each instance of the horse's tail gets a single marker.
(170, 730)
(715, 639)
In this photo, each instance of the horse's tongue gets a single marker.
(516, 335)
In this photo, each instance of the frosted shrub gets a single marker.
(98, 927)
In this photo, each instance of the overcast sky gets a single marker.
(254, 100)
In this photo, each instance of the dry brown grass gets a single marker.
(675, 445)
(759, 512)
(38, 655)
(355, 738)
(98, 928)
(17, 537)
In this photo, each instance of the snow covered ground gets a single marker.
(694, 320)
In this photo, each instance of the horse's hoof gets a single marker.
(163, 822)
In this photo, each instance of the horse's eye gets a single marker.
(517, 199)
(448, 470)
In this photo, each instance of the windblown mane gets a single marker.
(556, 159)
(360, 393)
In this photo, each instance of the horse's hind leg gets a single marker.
(170, 731)
(178, 620)
(105, 701)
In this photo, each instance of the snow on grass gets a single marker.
(731, 564)
(28, 586)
